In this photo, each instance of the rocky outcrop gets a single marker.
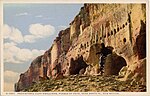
(136, 72)
(31, 75)
(121, 27)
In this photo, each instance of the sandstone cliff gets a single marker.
(122, 27)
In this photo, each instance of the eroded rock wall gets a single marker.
(119, 26)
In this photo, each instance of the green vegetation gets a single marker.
(82, 83)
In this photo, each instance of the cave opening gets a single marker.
(113, 64)
(111, 32)
(114, 31)
(76, 65)
(124, 40)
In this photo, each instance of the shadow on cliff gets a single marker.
(140, 44)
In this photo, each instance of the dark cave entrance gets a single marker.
(77, 65)
(114, 64)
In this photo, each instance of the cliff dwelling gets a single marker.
(121, 27)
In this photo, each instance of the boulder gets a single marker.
(123, 71)
(82, 71)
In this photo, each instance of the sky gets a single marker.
(29, 30)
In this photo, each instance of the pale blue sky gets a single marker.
(20, 17)
(54, 14)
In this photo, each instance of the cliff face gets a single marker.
(121, 27)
